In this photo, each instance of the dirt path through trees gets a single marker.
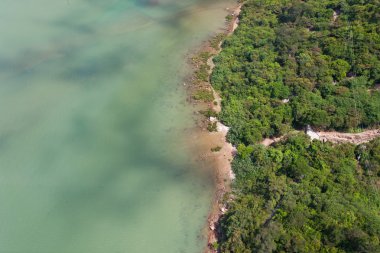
(337, 137)
(354, 138)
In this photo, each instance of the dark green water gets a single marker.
(92, 117)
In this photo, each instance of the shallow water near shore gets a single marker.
(93, 154)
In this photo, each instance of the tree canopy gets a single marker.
(302, 196)
(323, 56)
(289, 64)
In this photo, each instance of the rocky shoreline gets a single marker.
(217, 150)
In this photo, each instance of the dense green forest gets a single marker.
(302, 196)
(293, 63)
(328, 68)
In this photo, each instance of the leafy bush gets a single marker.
(216, 149)
(205, 95)
(212, 127)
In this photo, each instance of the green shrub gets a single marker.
(205, 95)
(212, 127)
(216, 149)
(217, 40)
(209, 113)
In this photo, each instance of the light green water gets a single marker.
(92, 115)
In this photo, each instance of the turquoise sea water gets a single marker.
(92, 116)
